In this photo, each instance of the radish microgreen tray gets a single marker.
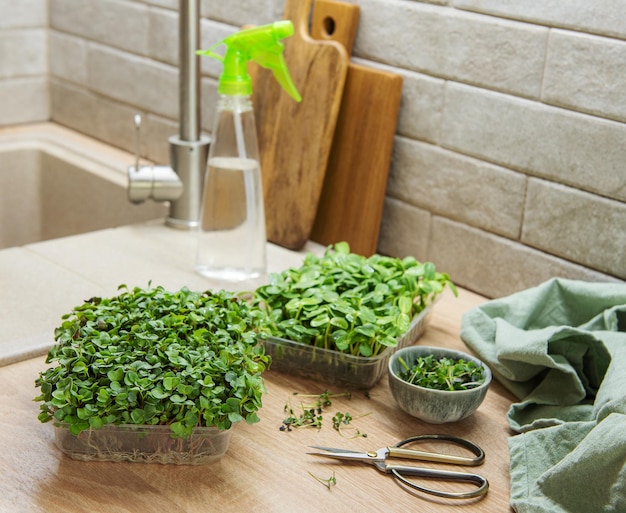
(152, 357)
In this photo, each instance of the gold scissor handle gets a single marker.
(400, 472)
(397, 452)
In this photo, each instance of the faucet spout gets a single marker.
(189, 78)
(188, 150)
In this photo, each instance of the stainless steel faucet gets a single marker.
(181, 183)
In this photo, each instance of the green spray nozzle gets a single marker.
(262, 45)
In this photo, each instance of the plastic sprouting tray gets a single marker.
(334, 367)
(143, 443)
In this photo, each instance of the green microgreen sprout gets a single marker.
(346, 302)
(153, 357)
(331, 481)
(310, 417)
(443, 373)
(341, 420)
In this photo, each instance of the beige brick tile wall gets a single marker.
(23, 61)
(557, 144)
(163, 36)
(23, 52)
(170, 4)
(405, 229)
(510, 150)
(139, 81)
(68, 57)
(483, 50)
(496, 265)
(23, 100)
(576, 225)
(422, 106)
(241, 12)
(586, 73)
(117, 23)
(603, 17)
(462, 188)
(24, 13)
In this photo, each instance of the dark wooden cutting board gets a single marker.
(295, 138)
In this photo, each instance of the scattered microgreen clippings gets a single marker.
(331, 481)
(310, 417)
(443, 373)
(323, 400)
(149, 356)
(311, 414)
(346, 302)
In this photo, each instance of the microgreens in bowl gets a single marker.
(443, 373)
(346, 302)
(437, 384)
(153, 357)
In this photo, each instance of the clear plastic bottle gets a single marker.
(231, 231)
(231, 237)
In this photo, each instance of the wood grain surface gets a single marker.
(351, 204)
(265, 469)
(295, 138)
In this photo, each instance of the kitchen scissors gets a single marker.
(379, 460)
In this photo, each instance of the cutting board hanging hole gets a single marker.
(335, 21)
(329, 26)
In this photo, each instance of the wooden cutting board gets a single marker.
(295, 138)
(351, 204)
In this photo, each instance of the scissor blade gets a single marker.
(333, 449)
(343, 454)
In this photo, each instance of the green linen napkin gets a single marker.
(560, 348)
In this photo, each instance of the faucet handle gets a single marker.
(137, 120)
(139, 177)
(160, 183)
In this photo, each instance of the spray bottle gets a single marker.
(232, 239)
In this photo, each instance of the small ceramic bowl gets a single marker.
(430, 405)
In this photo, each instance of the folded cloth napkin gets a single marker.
(560, 348)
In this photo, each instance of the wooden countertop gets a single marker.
(265, 469)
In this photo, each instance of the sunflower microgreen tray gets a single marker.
(338, 317)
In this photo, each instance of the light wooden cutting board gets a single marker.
(295, 138)
(351, 204)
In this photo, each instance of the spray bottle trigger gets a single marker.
(276, 63)
(260, 44)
